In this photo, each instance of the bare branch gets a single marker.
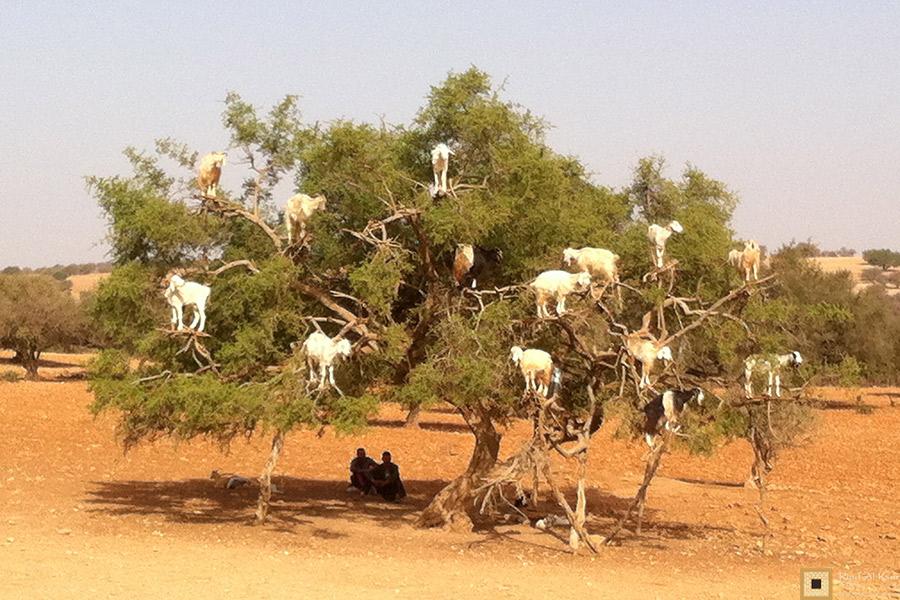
(705, 314)
(351, 319)
(227, 208)
(234, 264)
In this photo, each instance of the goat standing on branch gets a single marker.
(597, 262)
(558, 285)
(750, 261)
(647, 352)
(771, 367)
(298, 211)
(665, 410)
(470, 262)
(440, 160)
(321, 353)
(180, 293)
(658, 236)
(536, 366)
(209, 173)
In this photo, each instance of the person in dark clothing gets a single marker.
(386, 479)
(360, 472)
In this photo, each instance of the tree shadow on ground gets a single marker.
(713, 482)
(198, 501)
(42, 363)
(426, 426)
(305, 506)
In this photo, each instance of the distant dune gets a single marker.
(855, 265)
(86, 283)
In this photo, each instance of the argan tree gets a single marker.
(375, 268)
(882, 258)
(37, 313)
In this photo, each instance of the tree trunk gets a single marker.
(265, 480)
(641, 496)
(448, 508)
(413, 416)
(580, 504)
(29, 359)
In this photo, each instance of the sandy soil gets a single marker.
(85, 283)
(80, 519)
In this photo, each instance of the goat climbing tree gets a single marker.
(375, 267)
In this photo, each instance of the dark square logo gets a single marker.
(816, 584)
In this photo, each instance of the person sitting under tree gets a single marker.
(386, 479)
(360, 472)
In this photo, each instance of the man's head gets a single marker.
(386, 457)
(361, 452)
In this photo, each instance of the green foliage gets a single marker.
(127, 305)
(377, 281)
(109, 364)
(182, 408)
(426, 344)
(147, 223)
(884, 258)
(834, 328)
(467, 363)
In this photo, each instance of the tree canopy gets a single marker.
(884, 258)
(376, 269)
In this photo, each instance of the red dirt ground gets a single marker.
(82, 520)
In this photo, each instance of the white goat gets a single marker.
(180, 293)
(659, 235)
(209, 173)
(536, 367)
(734, 259)
(298, 211)
(598, 262)
(770, 366)
(440, 160)
(750, 261)
(321, 352)
(557, 284)
(647, 352)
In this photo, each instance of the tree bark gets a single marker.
(265, 480)
(580, 504)
(448, 507)
(413, 416)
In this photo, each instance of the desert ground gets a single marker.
(85, 283)
(83, 519)
(854, 265)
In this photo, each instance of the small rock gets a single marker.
(64, 531)
(10, 540)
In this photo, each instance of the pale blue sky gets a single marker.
(795, 105)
